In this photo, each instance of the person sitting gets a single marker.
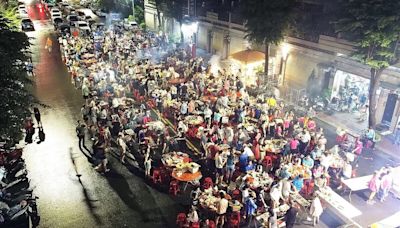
(308, 162)
(298, 182)
(249, 167)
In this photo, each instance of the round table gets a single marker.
(186, 177)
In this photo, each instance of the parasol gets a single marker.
(248, 56)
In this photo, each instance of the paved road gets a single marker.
(119, 199)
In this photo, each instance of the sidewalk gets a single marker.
(350, 122)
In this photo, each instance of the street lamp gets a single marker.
(285, 49)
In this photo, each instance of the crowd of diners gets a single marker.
(258, 161)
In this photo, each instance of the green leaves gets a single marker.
(374, 26)
(267, 21)
(16, 100)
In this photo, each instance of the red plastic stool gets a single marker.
(236, 194)
(157, 178)
(267, 162)
(208, 183)
(211, 224)
(234, 220)
(174, 188)
(195, 225)
(181, 220)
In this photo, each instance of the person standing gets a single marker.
(272, 219)
(85, 92)
(122, 147)
(386, 185)
(316, 209)
(219, 165)
(81, 131)
(49, 44)
(230, 166)
(251, 208)
(29, 129)
(291, 215)
(222, 207)
(373, 185)
(147, 166)
(37, 115)
(100, 155)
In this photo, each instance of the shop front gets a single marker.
(350, 93)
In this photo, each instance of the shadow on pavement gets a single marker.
(88, 200)
(121, 187)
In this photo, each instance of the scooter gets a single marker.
(17, 185)
(8, 177)
(23, 210)
(318, 104)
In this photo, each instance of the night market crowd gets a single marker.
(248, 158)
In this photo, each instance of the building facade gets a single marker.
(308, 58)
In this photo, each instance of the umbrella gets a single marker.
(248, 56)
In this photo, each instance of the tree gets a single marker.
(374, 27)
(174, 9)
(157, 4)
(9, 12)
(267, 21)
(16, 100)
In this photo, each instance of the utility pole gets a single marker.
(133, 9)
(188, 8)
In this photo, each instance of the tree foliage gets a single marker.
(157, 4)
(9, 12)
(16, 100)
(267, 21)
(174, 9)
(374, 27)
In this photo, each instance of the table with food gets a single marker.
(255, 179)
(273, 146)
(194, 120)
(297, 170)
(174, 158)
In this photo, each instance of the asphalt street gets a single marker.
(119, 199)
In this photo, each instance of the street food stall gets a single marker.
(248, 61)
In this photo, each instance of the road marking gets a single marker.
(171, 126)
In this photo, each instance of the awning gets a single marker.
(248, 56)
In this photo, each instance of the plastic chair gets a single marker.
(267, 162)
(211, 224)
(173, 188)
(208, 183)
(236, 194)
(234, 220)
(195, 225)
(308, 188)
(156, 177)
(181, 220)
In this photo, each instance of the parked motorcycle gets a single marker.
(25, 209)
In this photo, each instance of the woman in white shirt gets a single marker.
(316, 210)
